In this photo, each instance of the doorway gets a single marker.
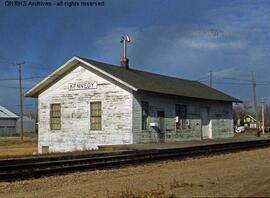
(161, 125)
(206, 129)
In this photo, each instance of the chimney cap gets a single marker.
(125, 38)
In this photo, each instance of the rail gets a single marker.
(32, 167)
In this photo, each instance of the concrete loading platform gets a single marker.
(181, 144)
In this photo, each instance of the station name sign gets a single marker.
(82, 86)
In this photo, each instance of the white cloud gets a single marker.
(213, 45)
(234, 35)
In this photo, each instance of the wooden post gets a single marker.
(21, 96)
(255, 102)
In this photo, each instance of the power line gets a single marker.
(38, 64)
(10, 87)
(245, 80)
(12, 63)
(234, 83)
(34, 77)
(248, 81)
(237, 79)
(27, 78)
(17, 105)
(198, 79)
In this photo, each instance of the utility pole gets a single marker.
(255, 101)
(263, 116)
(210, 78)
(19, 64)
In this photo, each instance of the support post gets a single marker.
(263, 116)
(210, 78)
(255, 102)
(21, 97)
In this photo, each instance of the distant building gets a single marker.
(85, 103)
(28, 125)
(7, 122)
(250, 122)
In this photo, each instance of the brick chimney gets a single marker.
(124, 60)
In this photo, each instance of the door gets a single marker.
(161, 126)
(206, 132)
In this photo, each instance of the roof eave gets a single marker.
(198, 98)
(35, 91)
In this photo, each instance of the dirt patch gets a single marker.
(229, 175)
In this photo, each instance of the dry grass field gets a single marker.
(242, 174)
(13, 146)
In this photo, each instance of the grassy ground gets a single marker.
(13, 146)
(242, 174)
(236, 174)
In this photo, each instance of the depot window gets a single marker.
(55, 116)
(95, 116)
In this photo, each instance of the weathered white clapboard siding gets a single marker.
(220, 116)
(75, 133)
(121, 114)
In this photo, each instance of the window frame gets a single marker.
(90, 116)
(51, 117)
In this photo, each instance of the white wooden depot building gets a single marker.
(85, 103)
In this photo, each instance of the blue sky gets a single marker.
(182, 38)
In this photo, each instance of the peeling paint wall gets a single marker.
(220, 118)
(75, 133)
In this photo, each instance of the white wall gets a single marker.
(75, 133)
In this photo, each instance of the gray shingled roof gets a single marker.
(4, 113)
(147, 81)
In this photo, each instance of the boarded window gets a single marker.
(45, 149)
(181, 114)
(55, 116)
(145, 115)
(95, 116)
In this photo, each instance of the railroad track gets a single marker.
(25, 168)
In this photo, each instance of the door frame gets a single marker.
(209, 133)
(161, 133)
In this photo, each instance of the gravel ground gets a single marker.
(230, 175)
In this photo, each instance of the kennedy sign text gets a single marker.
(82, 85)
